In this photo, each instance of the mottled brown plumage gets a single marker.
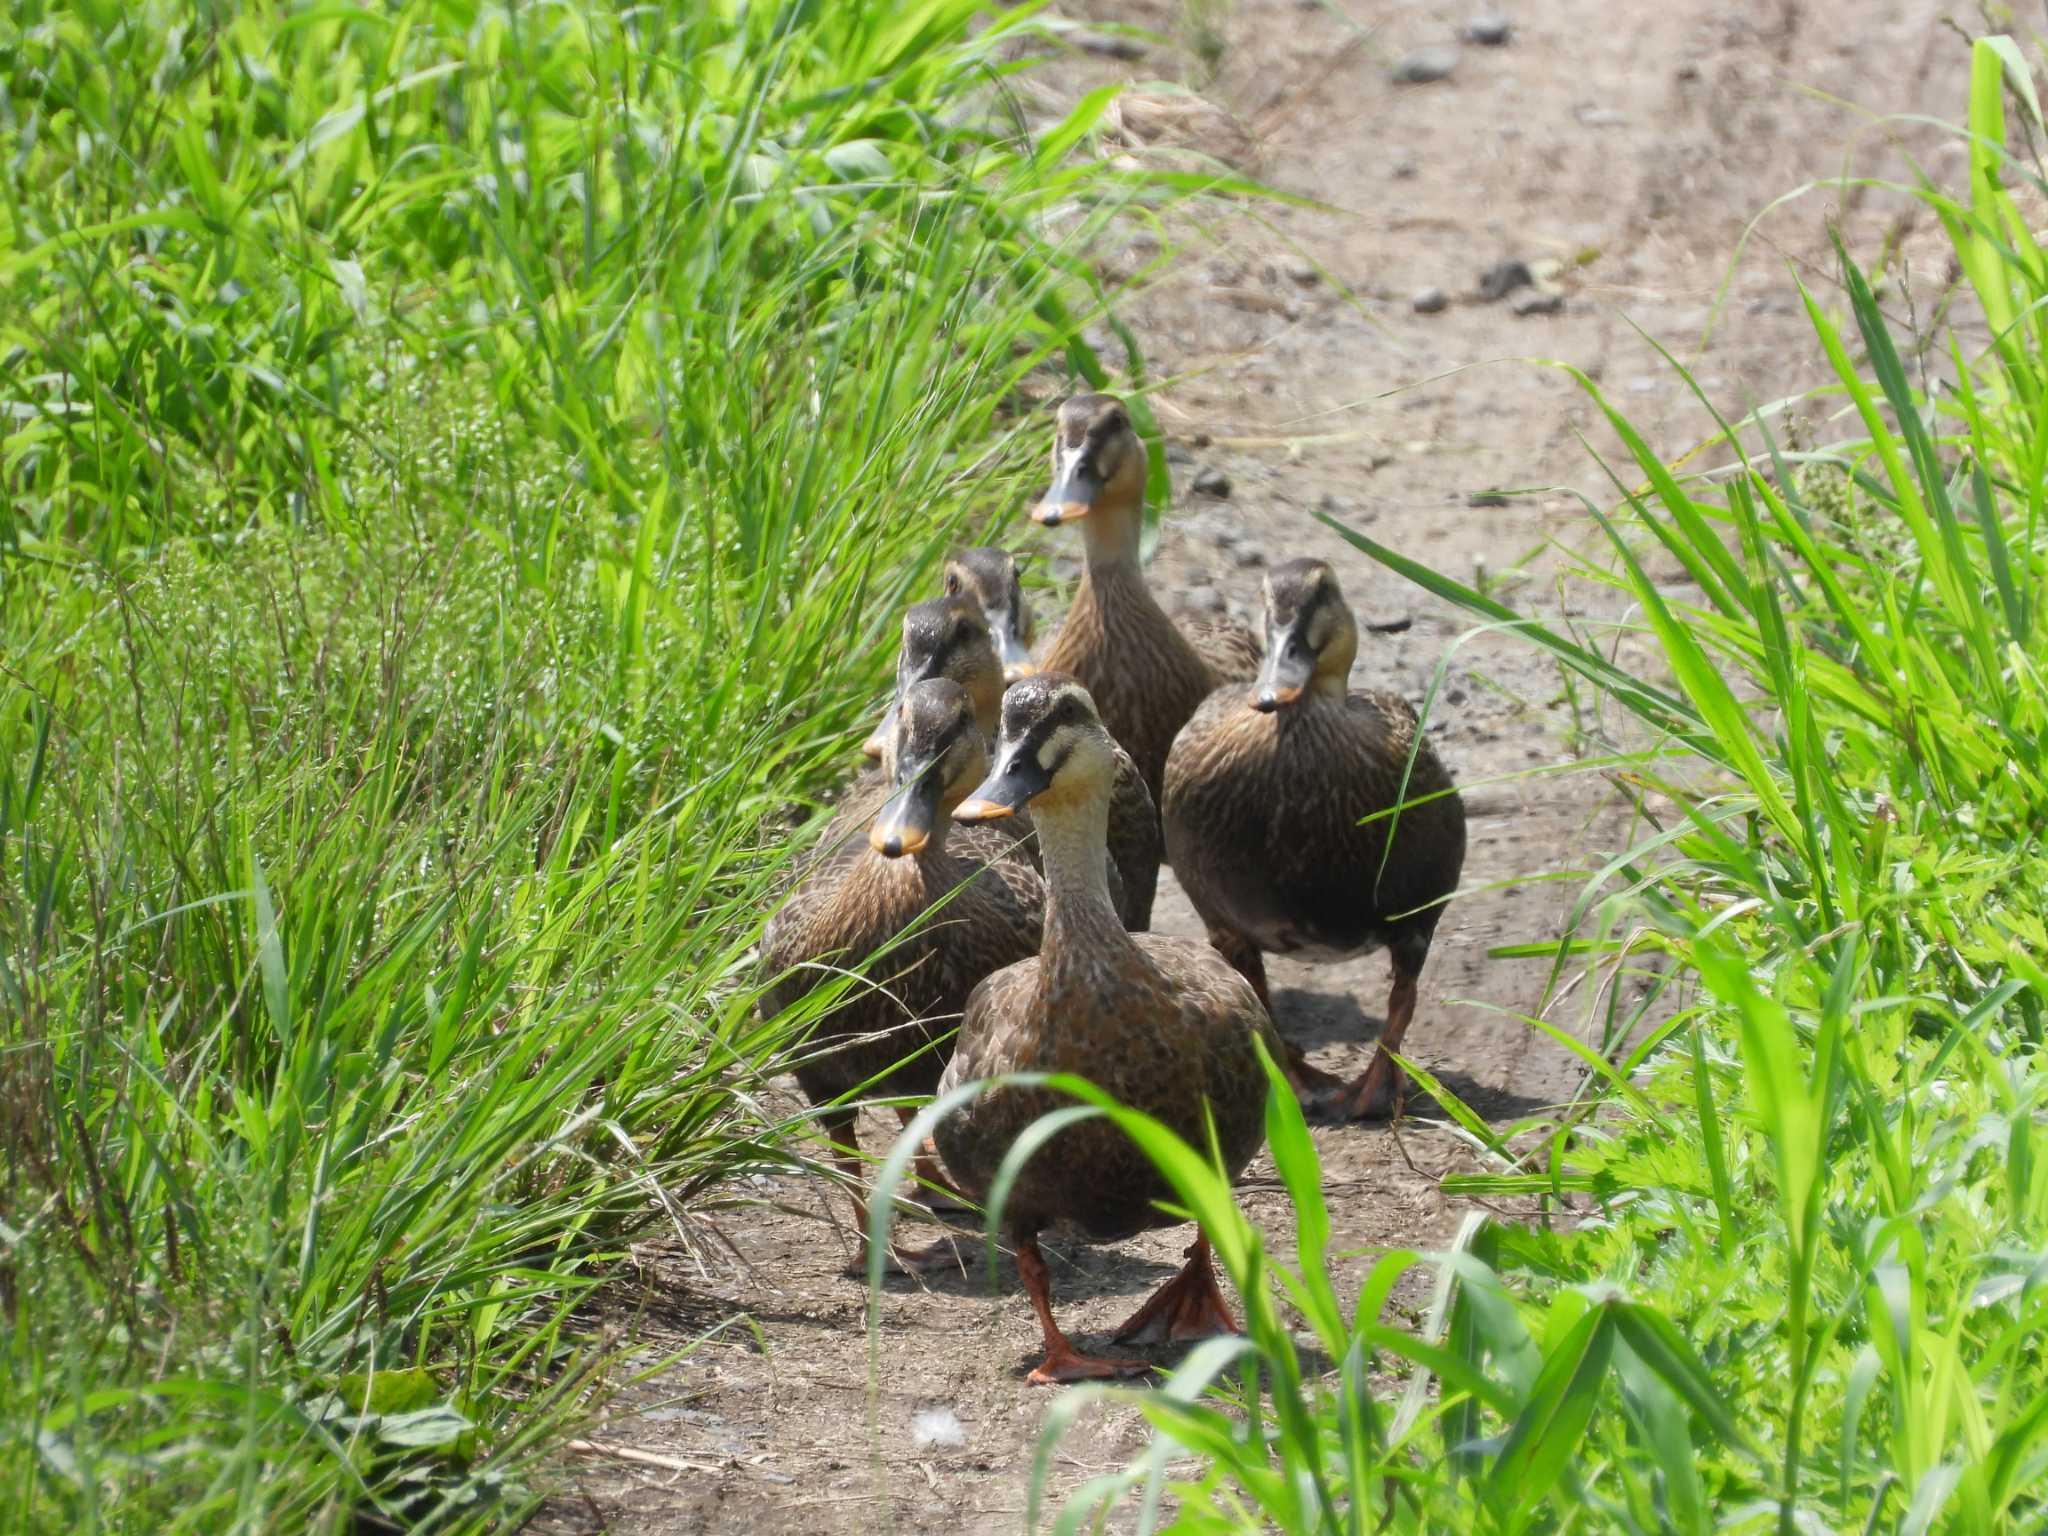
(1145, 673)
(890, 1035)
(950, 637)
(1229, 650)
(1266, 790)
(1164, 1024)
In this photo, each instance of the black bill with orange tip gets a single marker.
(1008, 788)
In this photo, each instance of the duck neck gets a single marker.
(1110, 537)
(1073, 841)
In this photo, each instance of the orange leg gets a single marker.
(934, 1188)
(840, 1125)
(1381, 1091)
(1062, 1361)
(1189, 1306)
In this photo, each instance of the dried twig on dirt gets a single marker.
(641, 1458)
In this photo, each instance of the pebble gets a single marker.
(1204, 599)
(1404, 170)
(1503, 278)
(1108, 45)
(1428, 301)
(1489, 29)
(1602, 117)
(1536, 302)
(1247, 555)
(1179, 453)
(1211, 481)
(1304, 273)
(1425, 66)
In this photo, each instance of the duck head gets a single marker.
(1098, 470)
(1311, 636)
(990, 577)
(939, 757)
(1052, 750)
(947, 637)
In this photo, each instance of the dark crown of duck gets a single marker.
(991, 578)
(1097, 460)
(939, 757)
(1311, 636)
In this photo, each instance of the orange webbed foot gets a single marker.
(1189, 1306)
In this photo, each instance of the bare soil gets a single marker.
(1620, 149)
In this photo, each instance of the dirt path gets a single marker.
(1631, 143)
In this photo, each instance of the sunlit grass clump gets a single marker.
(457, 461)
(1802, 1282)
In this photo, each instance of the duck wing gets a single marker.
(1137, 845)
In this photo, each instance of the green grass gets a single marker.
(1805, 1281)
(462, 466)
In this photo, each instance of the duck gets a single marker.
(860, 907)
(952, 637)
(992, 578)
(1146, 673)
(1165, 1024)
(1275, 812)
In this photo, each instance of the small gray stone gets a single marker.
(1404, 170)
(1212, 482)
(1503, 278)
(1304, 273)
(1489, 29)
(1428, 301)
(1246, 555)
(1109, 45)
(1536, 301)
(1602, 117)
(1179, 453)
(1204, 599)
(1425, 66)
